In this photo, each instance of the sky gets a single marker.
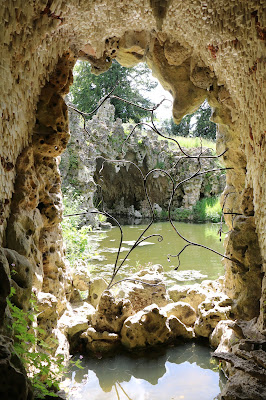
(156, 95)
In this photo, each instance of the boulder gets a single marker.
(211, 311)
(81, 276)
(142, 295)
(191, 294)
(223, 336)
(75, 319)
(100, 341)
(151, 327)
(181, 310)
(111, 313)
(96, 288)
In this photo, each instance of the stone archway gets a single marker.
(196, 49)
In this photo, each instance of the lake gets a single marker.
(196, 263)
(184, 372)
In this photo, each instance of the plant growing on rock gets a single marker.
(43, 370)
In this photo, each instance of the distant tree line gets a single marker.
(197, 124)
(133, 84)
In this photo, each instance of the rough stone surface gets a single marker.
(100, 341)
(75, 319)
(140, 294)
(122, 186)
(13, 381)
(183, 311)
(21, 274)
(80, 276)
(150, 327)
(226, 38)
(111, 313)
(96, 288)
(210, 312)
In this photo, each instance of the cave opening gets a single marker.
(191, 47)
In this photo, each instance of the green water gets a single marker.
(183, 371)
(165, 373)
(196, 263)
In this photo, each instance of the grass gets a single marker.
(208, 209)
(190, 142)
(205, 210)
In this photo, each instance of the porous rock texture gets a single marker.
(197, 49)
(85, 164)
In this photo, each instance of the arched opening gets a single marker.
(30, 182)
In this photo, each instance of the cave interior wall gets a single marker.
(197, 50)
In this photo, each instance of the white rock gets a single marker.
(96, 288)
(183, 311)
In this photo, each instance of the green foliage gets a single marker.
(182, 129)
(181, 214)
(204, 127)
(207, 209)
(88, 89)
(197, 124)
(191, 142)
(78, 245)
(73, 161)
(160, 165)
(43, 370)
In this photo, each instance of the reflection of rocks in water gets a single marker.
(148, 365)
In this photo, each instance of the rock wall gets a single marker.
(196, 49)
(122, 184)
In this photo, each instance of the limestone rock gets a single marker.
(13, 378)
(211, 311)
(96, 288)
(183, 311)
(179, 329)
(81, 276)
(223, 336)
(100, 341)
(140, 294)
(111, 313)
(242, 280)
(242, 386)
(175, 53)
(4, 284)
(191, 294)
(21, 274)
(46, 306)
(75, 319)
(150, 327)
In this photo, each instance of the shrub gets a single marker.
(207, 209)
(77, 239)
(43, 370)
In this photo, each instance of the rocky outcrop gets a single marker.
(241, 350)
(150, 327)
(122, 184)
(140, 312)
(196, 49)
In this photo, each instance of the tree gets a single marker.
(204, 127)
(88, 89)
(197, 124)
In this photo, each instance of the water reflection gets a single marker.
(181, 372)
(196, 263)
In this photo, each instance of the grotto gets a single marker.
(197, 49)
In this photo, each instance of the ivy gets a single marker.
(43, 370)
